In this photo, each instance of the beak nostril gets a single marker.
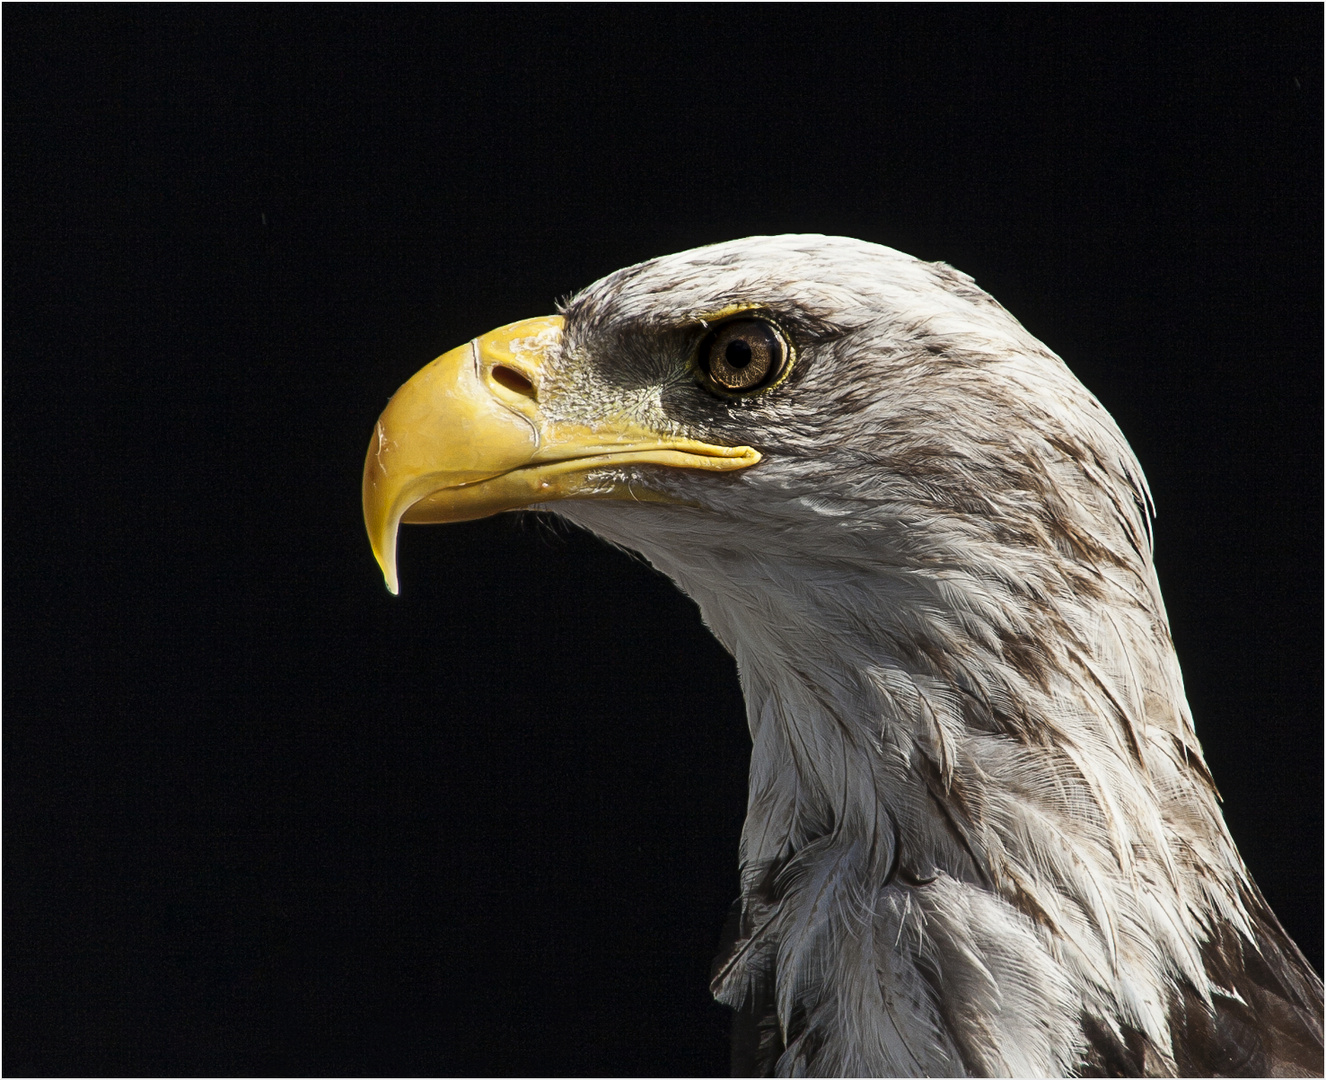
(514, 381)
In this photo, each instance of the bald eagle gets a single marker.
(981, 837)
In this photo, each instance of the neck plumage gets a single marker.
(980, 835)
(954, 769)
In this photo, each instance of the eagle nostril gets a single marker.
(514, 381)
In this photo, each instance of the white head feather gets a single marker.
(981, 837)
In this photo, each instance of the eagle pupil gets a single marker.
(742, 355)
(737, 354)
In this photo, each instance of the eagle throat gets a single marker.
(980, 836)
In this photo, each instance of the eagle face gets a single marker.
(981, 838)
(904, 380)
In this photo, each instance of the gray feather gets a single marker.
(981, 836)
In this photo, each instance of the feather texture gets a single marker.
(981, 836)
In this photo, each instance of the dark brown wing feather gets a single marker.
(1274, 1026)
(1269, 1024)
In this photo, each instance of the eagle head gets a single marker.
(981, 837)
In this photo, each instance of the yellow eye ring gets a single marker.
(744, 355)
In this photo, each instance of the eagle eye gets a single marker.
(742, 355)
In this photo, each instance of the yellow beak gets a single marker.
(466, 438)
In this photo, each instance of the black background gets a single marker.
(263, 818)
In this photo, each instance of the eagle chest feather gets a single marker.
(981, 838)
